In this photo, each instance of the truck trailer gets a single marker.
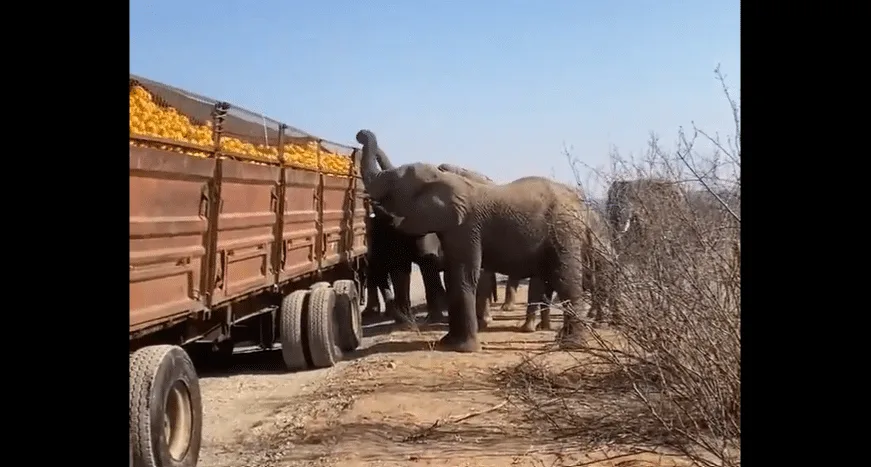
(242, 229)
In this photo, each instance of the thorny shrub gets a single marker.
(668, 374)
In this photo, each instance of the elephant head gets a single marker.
(631, 202)
(420, 197)
(618, 207)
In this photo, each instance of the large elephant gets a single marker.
(491, 285)
(531, 227)
(390, 256)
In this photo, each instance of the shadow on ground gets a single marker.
(253, 361)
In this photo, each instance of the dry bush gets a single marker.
(668, 374)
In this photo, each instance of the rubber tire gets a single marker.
(291, 330)
(153, 371)
(348, 315)
(318, 285)
(321, 324)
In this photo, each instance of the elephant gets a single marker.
(512, 283)
(531, 227)
(390, 256)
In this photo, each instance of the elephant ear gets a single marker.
(436, 208)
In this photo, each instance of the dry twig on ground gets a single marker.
(423, 433)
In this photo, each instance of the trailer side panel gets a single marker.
(297, 249)
(168, 223)
(247, 226)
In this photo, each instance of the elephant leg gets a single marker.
(373, 302)
(435, 292)
(544, 324)
(603, 294)
(567, 280)
(482, 299)
(495, 289)
(377, 279)
(596, 300)
(510, 293)
(616, 316)
(464, 267)
(401, 275)
(537, 296)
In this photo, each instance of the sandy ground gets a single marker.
(394, 402)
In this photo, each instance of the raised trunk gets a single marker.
(368, 165)
(383, 160)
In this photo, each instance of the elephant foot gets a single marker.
(528, 325)
(450, 343)
(484, 320)
(398, 312)
(404, 318)
(544, 325)
(435, 318)
(570, 338)
(507, 307)
(370, 313)
(486, 316)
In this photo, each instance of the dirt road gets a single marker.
(394, 402)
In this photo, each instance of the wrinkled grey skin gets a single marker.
(631, 206)
(487, 283)
(487, 291)
(531, 227)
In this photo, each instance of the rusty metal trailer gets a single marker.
(223, 250)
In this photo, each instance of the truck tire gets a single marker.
(318, 285)
(293, 347)
(348, 316)
(166, 410)
(321, 325)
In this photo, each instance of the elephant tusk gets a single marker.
(626, 226)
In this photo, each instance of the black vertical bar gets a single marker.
(277, 259)
(218, 113)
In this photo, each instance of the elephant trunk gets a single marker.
(369, 169)
(383, 160)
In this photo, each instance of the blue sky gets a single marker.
(498, 86)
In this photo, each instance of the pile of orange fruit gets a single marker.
(148, 118)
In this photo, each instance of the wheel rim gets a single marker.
(178, 420)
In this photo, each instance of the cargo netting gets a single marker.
(176, 120)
